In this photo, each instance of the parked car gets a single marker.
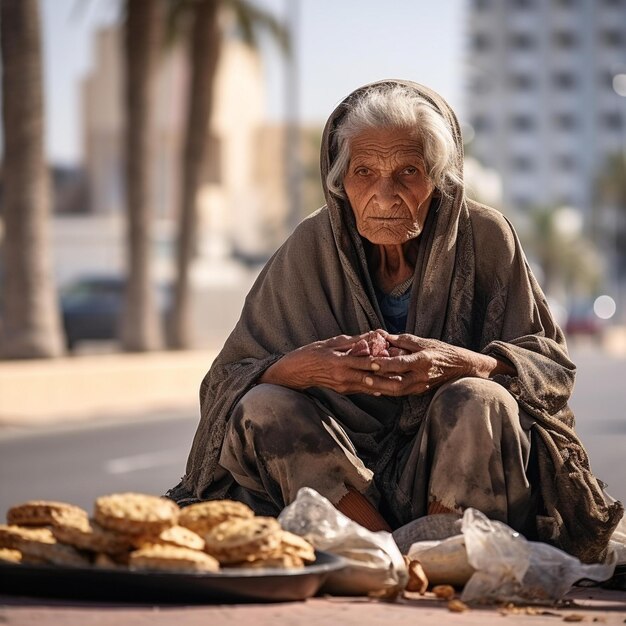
(92, 306)
(582, 320)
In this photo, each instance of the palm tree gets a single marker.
(204, 46)
(142, 46)
(569, 261)
(31, 324)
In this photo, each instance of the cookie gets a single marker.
(204, 516)
(135, 513)
(8, 555)
(55, 553)
(172, 559)
(40, 544)
(174, 536)
(239, 540)
(13, 537)
(295, 546)
(45, 513)
(104, 561)
(92, 537)
(33, 560)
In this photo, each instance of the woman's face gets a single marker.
(387, 186)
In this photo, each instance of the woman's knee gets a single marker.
(476, 399)
(269, 408)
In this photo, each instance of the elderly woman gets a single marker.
(396, 353)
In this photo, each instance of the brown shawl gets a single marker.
(473, 289)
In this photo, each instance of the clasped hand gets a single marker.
(418, 365)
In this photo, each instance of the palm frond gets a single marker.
(179, 14)
(250, 20)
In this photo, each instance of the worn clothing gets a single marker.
(394, 309)
(472, 287)
(472, 449)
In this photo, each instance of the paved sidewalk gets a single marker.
(585, 605)
(42, 392)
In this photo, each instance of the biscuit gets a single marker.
(56, 553)
(238, 540)
(104, 561)
(295, 546)
(45, 513)
(135, 513)
(172, 559)
(203, 516)
(8, 555)
(33, 560)
(14, 536)
(174, 536)
(92, 537)
(39, 543)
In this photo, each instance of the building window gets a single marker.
(564, 80)
(522, 163)
(481, 123)
(566, 162)
(481, 42)
(612, 120)
(522, 82)
(566, 4)
(565, 121)
(521, 41)
(522, 123)
(605, 79)
(522, 202)
(611, 38)
(565, 39)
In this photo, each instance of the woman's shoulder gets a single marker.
(311, 231)
(491, 229)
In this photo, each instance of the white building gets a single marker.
(232, 201)
(540, 96)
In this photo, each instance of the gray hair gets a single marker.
(396, 106)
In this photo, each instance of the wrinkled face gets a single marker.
(387, 186)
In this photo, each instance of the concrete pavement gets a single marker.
(40, 392)
(582, 605)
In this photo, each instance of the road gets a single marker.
(79, 463)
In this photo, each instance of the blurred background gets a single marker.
(539, 85)
(172, 145)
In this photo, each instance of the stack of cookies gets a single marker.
(146, 532)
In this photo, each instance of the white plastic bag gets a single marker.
(374, 562)
(506, 567)
(617, 544)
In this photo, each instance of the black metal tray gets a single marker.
(229, 585)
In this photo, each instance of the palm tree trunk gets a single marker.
(143, 31)
(204, 53)
(31, 325)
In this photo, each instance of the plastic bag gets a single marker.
(373, 560)
(500, 565)
(617, 544)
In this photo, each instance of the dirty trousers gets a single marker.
(471, 450)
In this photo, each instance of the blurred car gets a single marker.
(91, 308)
(582, 320)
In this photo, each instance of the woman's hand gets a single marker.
(324, 364)
(428, 364)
